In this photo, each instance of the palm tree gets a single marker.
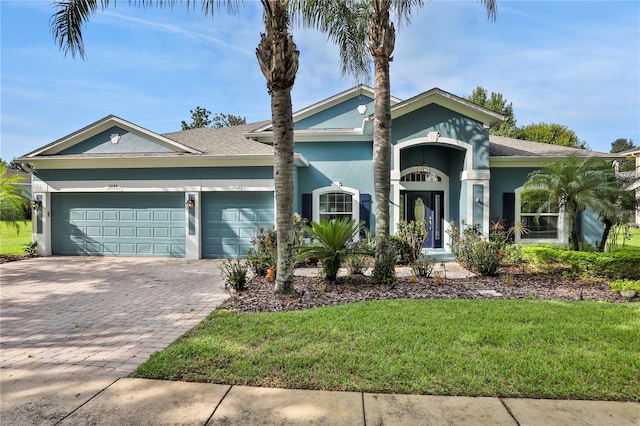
(278, 59)
(361, 27)
(571, 185)
(13, 197)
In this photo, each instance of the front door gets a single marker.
(427, 206)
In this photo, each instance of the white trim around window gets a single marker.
(562, 236)
(330, 201)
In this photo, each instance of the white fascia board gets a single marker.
(155, 162)
(449, 101)
(531, 161)
(149, 162)
(193, 185)
(102, 125)
(316, 135)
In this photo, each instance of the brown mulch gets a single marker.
(5, 258)
(312, 292)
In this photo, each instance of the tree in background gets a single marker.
(14, 198)
(622, 205)
(201, 117)
(571, 185)
(496, 103)
(551, 133)
(361, 28)
(621, 145)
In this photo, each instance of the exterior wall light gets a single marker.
(36, 204)
(191, 203)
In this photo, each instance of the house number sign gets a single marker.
(113, 187)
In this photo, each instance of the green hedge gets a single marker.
(623, 263)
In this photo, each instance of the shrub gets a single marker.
(618, 264)
(400, 249)
(356, 263)
(31, 248)
(413, 235)
(331, 243)
(264, 253)
(234, 273)
(422, 267)
(474, 252)
(618, 285)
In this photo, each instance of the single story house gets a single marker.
(114, 188)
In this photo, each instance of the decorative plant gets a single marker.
(234, 273)
(31, 248)
(437, 276)
(507, 279)
(413, 234)
(422, 267)
(331, 243)
(619, 285)
(263, 255)
(472, 250)
(355, 264)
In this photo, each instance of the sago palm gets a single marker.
(331, 243)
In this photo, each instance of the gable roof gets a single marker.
(100, 126)
(327, 103)
(449, 101)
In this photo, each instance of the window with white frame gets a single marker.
(542, 221)
(336, 201)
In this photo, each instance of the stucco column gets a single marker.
(41, 223)
(193, 230)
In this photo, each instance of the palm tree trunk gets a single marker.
(381, 36)
(605, 234)
(283, 172)
(278, 59)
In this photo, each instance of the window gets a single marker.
(543, 226)
(334, 205)
(336, 201)
(540, 227)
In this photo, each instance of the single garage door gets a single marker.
(231, 219)
(118, 224)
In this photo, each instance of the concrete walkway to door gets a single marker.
(99, 315)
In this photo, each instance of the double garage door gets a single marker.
(118, 224)
(153, 224)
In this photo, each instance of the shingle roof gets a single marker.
(224, 141)
(500, 146)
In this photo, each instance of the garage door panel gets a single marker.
(231, 219)
(93, 231)
(127, 224)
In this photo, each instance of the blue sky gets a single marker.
(568, 62)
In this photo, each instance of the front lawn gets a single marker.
(12, 242)
(505, 348)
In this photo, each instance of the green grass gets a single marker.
(634, 241)
(12, 242)
(505, 348)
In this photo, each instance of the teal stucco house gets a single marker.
(114, 188)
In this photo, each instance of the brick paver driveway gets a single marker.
(98, 315)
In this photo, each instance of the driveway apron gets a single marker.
(98, 315)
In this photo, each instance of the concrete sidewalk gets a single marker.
(38, 398)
